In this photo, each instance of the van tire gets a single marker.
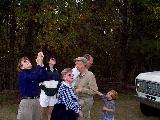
(146, 110)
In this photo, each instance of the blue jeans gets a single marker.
(107, 117)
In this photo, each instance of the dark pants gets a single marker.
(60, 113)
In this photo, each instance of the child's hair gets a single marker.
(114, 95)
(20, 64)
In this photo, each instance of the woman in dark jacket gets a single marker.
(48, 97)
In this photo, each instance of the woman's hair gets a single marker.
(65, 71)
(47, 64)
(20, 62)
(114, 95)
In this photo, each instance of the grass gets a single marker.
(127, 108)
(8, 105)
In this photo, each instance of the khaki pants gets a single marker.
(86, 104)
(29, 109)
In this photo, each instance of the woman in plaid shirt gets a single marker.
(67, 107)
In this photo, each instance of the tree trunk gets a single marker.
(124, 45)
(11, 59)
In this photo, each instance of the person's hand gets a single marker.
(40, 55)
(104, 109)
(97, 92)
(39, 61)
(78, 90)
(80, 115)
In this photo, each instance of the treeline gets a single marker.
(123, 36)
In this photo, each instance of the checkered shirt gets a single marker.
(66, 96)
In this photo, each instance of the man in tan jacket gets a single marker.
(86, 85)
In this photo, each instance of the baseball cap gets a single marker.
(82, 59)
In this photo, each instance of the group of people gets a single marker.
(68, 96)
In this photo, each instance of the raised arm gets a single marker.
(99, 93)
